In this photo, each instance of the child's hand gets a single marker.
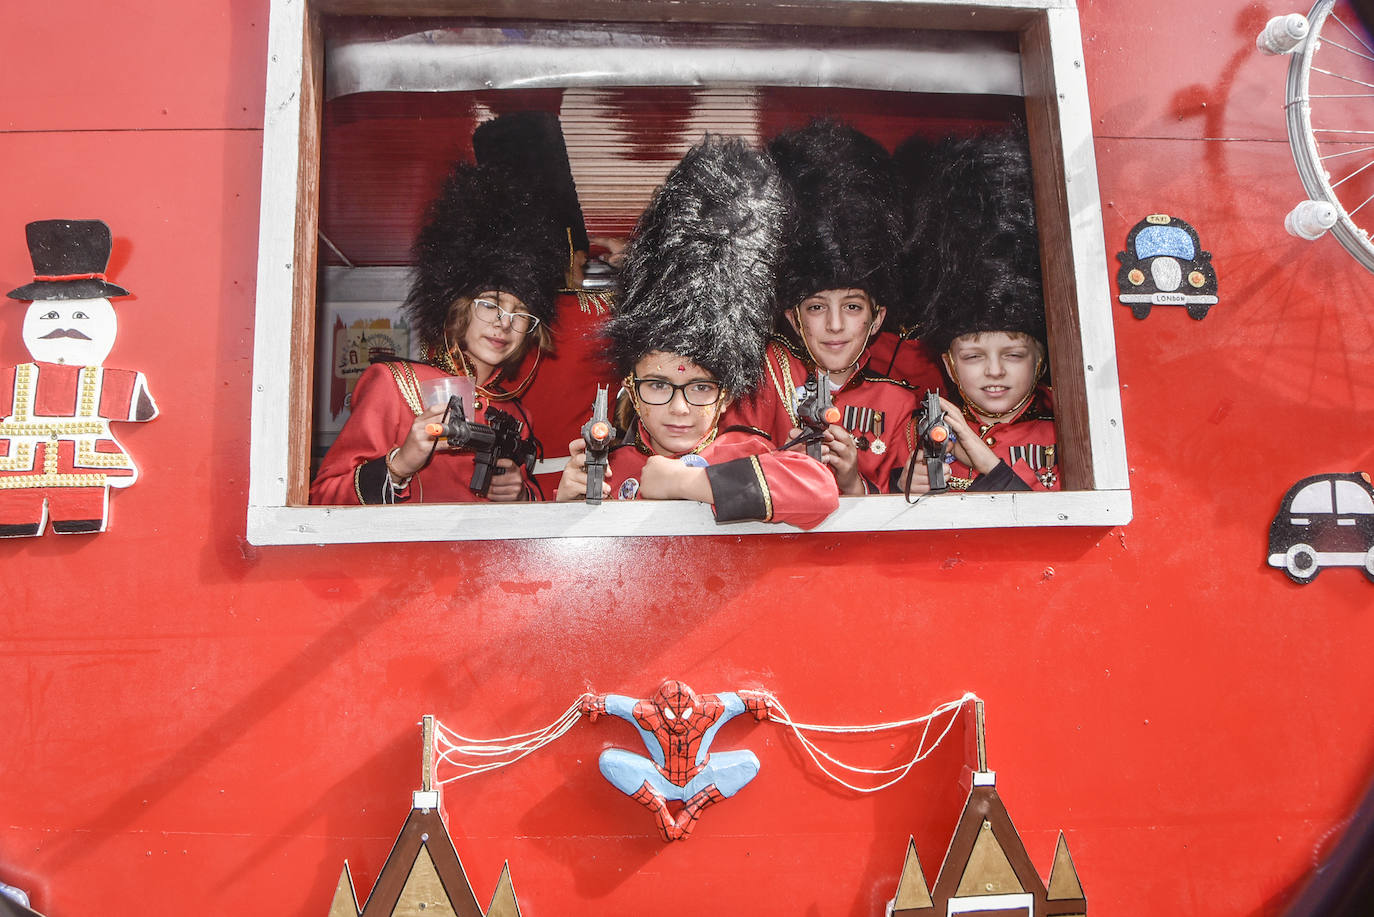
(666, 478)
(842, 455)
(418, 445)
(969, 447)
(507, 486)
(916, 470)
(573, 484)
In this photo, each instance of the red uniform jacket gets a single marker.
(1025, 442)
(749, 480)
(55, 425)
(386, 402)
(875, 410)
(906, 360)
(563, 390)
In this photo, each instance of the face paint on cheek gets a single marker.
(681, 368)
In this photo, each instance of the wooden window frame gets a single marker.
(1078, 300)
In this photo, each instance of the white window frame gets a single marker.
(1092, 452)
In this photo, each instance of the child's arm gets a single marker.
(747, 481)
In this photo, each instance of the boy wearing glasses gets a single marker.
(689, 333)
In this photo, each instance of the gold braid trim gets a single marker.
(408, 384)
(763, 486)
(778, 353)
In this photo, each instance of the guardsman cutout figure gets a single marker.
(58, 458)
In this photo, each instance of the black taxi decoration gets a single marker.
(1164, 265)
(1326, 520)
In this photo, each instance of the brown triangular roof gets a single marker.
(423, 837)
(1000, 850)
(503, 903)
(1065, 892)
(913, 896)
(345, 903)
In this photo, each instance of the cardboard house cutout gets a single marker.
(986, 871)
(423, 873)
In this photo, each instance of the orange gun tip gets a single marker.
(832, 415)
(939, 434)
(435, 430)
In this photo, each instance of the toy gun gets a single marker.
(815, 412)
(490, 442)
(598, 433)
(935, 435)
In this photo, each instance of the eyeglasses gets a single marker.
(660, 391)
(493, 314)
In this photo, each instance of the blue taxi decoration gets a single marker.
(1164, 265)
(1326, 520)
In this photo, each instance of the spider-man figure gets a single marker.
(677, 726)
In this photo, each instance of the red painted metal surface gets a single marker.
(194, 724)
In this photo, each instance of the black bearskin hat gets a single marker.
(701, 268)
(847, 228)
(487, 230)
(530, 144)
(974, 260)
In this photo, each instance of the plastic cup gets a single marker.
(436, 392)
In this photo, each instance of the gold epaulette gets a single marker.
(408, 384)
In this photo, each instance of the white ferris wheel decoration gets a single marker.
(1330, 121)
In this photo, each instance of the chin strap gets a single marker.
(993, 419)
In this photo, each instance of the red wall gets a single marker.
(195, 724)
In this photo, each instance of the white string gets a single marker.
(459, 750)
(780, 715)
(453, 747)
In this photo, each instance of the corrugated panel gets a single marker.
(384, 154)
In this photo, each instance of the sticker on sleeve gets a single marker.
(629, 489)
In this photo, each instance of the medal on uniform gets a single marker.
(866, 425)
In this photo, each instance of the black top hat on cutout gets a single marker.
(69, 260)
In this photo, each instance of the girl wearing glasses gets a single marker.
(688, 334)
(489, 262)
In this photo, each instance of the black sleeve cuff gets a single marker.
(1001, 478)
(740, 491)
(369, 481)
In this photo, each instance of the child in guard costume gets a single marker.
(839, 278)
(531, 145)
(688, 335)
(58, 458)
(976, 268)
(489, 262)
